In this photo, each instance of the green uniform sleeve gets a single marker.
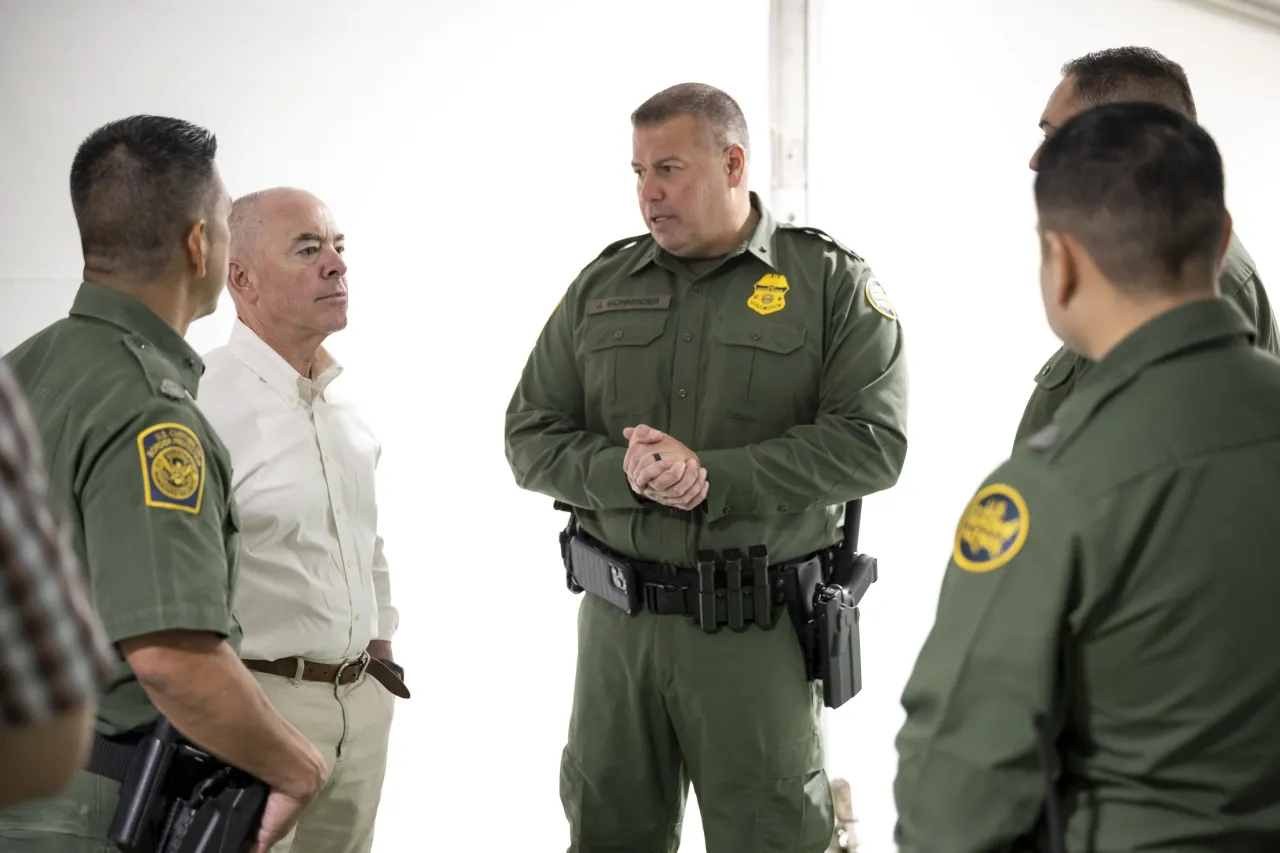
(969, 777)
(155, 512)
(858, 441)
(547, 447)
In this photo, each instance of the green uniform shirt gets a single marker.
(146, 480)
(1239, 282)
(782, 367)
(1118, 574)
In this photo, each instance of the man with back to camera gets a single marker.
(112, 389)
(1112, 584)
(721, 382)
(314, 598)
(54, 656)
(1111, 76)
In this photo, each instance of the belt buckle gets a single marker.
(362, 662)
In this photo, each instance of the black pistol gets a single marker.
(222, 815)
(835, 613)
(140, 790)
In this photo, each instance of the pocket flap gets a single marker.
(624, 332)
(778, 339)
(1057, 369)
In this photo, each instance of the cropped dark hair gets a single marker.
(1140, 186)
(137, 186)
(713, 108)
(1131, 74)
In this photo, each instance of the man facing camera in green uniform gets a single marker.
(147, 481)
(1113, 584)
(722, 382)
(1112, 76)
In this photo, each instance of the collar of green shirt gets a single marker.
(1175, 331)
(759, 243)
(120, 309)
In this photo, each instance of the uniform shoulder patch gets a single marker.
(992, 530)
(173, 467)
(878, 299)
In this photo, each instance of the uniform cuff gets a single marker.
(725, 496)
(608, 487)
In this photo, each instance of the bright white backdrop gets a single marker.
(477, 157)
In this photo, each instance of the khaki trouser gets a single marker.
(350, 725)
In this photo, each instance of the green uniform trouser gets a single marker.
(659, 703)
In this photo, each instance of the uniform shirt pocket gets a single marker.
(623, 373)
(759, 374)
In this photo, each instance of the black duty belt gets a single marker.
(819, 592)
(724, 590)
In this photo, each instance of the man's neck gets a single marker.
(170, 301)
(743, 221)
(298, 351)
(1127, 316)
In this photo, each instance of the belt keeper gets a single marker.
(733, 595)
(299, 665)
(758, 556)
(707, 591)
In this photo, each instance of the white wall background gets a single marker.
(477, 157)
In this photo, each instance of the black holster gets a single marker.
(176, 798)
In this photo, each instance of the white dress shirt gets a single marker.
(313, 579)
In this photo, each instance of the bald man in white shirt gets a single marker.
(314, 597)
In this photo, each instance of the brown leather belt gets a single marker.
(332, 673)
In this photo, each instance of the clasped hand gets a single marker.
(662, 469)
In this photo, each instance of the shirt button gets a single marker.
(755, 336)
(683, 392)
(672, 511)
(338, 511)
(688, 337)
(697, 287)
(357, 617)
(617, 334)
(782, 508)
(728, 510)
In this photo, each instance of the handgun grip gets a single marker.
(141, 786)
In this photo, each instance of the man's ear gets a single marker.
(1227, 225)
(198, 248)
(735, 160)
(1062, 255)
(239, 283)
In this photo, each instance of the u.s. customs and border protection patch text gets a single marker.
(173, 467)
(769, 295)
(993, 529)
(879, 299)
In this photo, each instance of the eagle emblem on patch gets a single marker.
(173, 467)
(769, 296)
(993, 529)
(879, 299)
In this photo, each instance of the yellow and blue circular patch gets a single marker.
(879, 299)
(992, 530)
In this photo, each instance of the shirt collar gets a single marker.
(124, 311)
(760, 243)
(271, 367)
(1196, 324)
